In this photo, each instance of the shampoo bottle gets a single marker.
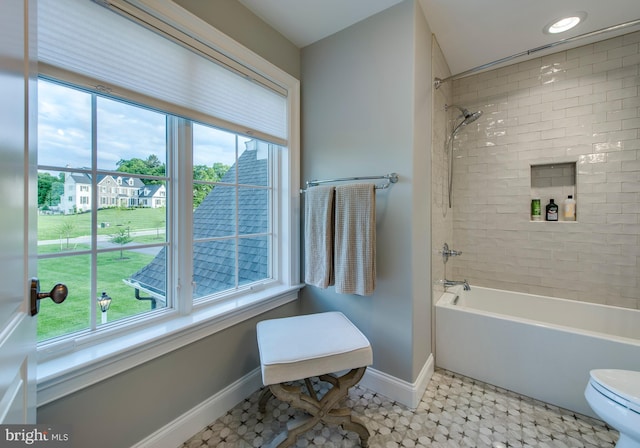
(569, 209)
(552, 211)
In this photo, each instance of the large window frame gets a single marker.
(74, 363)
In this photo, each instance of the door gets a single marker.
(17, 212)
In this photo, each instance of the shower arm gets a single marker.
(461, 109)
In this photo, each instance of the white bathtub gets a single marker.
(541, 347)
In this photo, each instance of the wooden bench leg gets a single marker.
(264, 397)
(324, 410)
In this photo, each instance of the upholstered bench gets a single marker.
(314, 345)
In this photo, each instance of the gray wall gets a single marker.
(366, 111)
(421, 192)
(128, 407)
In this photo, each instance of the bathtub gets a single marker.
(541, 347)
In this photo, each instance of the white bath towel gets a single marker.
(355, 239)
(318, 236)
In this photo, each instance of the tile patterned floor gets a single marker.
(455, 412)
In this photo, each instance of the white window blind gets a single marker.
(83, 38)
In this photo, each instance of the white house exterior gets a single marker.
(153, 196)
(77, 193)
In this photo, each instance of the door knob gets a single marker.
(58, 294)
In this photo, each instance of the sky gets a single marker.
(124, 132)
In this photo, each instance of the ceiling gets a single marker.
(471, 33)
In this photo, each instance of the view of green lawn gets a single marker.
(54, 227)
(74, 270)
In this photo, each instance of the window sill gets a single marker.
(69, 372)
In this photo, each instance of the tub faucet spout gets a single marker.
(464, 283)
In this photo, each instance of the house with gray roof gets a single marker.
(77, 193)
(113, 191)
(152, 196)
(215, 261)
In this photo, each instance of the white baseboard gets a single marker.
(191, 422)
(398, 390)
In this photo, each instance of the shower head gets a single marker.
(467, 117)
(470, 118)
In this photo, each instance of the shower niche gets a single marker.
(554, 181)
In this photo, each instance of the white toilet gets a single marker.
(614, 395)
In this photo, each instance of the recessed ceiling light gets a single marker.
(564, 23)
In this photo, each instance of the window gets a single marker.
(231, 211)
(231, 221)
(185, 152)
(75, 245)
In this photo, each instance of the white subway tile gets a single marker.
(630, 187)
(608, 44)
(583, 73)
(593, 58)
(630, 81)
(622, 114)
(608, 126)
(630, 38)
(579, 52)
(622, 197)
(624, 93)
(606, 106)
(595, 198)
(623, 50)
(566, 103)
(631, 123)
(623, 73)
(631, 60)
(622, 155)
(631, 229)
(579, 110)
(610, 208)
(630, 103)
(595, 98)
(579, 106)
(557, 132)
(629, 134)
(607, 85)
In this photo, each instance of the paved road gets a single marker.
(104, 241)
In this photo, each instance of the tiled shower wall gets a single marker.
(579, 107)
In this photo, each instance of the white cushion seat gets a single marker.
(313, 345)
(294, 348)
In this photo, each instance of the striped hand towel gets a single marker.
(318, 236)
(355, 239)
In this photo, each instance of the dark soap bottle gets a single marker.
(552, 211)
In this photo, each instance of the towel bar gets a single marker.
(391, 178)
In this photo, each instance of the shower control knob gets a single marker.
(446, 253)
